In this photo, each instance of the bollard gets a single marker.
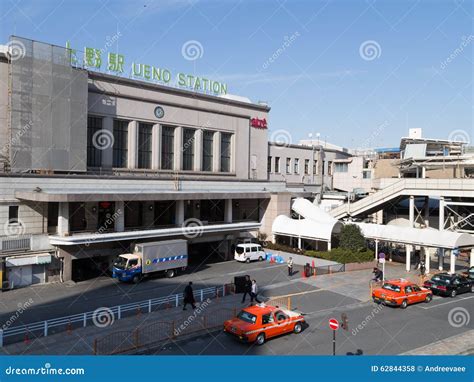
(289, 303)
(217, 293)
(69, 328)
(27, 338)
(139, 312)
(95, 346)
(135, 339)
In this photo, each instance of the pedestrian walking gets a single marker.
(254, 292)
(247, 288)
(189, 296)
(422, 268)
(290, 266)
(378, 275)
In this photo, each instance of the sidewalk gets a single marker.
(81, 341)
(459, 344)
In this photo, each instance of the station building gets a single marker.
(92, 163)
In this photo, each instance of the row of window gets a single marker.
(288, 168)
(97, 140)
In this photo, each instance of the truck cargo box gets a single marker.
(163, 255)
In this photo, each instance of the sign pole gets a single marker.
(333, 342)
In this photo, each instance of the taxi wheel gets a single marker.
(298, 328)
(428, 298)
(260, 339)
(404, 304)
(248, 260)
(453, 293)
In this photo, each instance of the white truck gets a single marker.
(167, 256)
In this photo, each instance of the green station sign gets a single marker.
(93, 59)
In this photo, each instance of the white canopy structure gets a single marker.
(315, 225)
(426, 237)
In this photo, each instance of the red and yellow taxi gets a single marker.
(260, 322)
(401, 292)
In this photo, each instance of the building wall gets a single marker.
(279, 204)
(354, 177)
(4, 139)
(385, 168)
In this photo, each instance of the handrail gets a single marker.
(86, 317)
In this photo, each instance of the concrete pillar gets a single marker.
(408, 257)
(156, 147)
(441, 213)
(178, 148)
(426, 211)
(376, 249)
(329, 245)
(471, 261)
(299, 242)
(411, 209)
(452, 262)
(228, 211)
(216, 152)
(63, 219)
(107, 149)
(179, 212)
(132, 157)
(441, 259)
(423, 172)
(198, 150)
(120, 212)
(427, 259)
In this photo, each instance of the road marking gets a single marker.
(448, 302)
(254, 270)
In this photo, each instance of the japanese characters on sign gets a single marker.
(114, 62)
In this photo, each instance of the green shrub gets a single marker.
(351, 238)
(343, 256)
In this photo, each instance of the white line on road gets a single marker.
(254, 270)
(445, 303)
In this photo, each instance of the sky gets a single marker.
(356, 73)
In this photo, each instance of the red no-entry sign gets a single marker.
(334, 324)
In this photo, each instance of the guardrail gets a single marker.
(67, 323)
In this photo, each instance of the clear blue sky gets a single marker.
(321, 82)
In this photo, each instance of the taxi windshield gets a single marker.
(247, 317)
(392, 287)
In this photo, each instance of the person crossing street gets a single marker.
(290, 266)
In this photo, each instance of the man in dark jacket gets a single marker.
(247, 288)
(189, 296)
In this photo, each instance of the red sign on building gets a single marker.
(258, 123)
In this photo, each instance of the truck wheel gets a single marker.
(136, 279)
(260, 339)
(404, 304)
(170, 273)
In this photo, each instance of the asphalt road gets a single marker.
(57, 300)
(387, 331)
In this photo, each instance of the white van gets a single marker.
(248, 252)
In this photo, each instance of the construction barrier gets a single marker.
(161, 331)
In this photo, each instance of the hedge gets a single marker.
(343, 256)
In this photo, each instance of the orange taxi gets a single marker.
(260, 322)
(401, 292)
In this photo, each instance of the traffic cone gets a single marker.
(313, 268)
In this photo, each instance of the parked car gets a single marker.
(260, 322)
(445, 284)
(401, 292)
(249, 252)
(469, 273)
